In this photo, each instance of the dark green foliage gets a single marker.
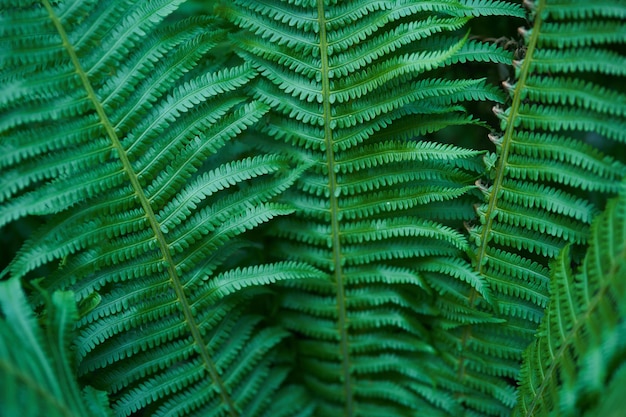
(358, 88)
(119, 137)
(283, 208)
(580, 344)
(37, 362)
(548, 177)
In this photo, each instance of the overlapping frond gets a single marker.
(114, 126)
(554, 164)
(37, 363)
(151, 153)
(579, 352)
(353, 88)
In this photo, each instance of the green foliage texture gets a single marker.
(299, 208)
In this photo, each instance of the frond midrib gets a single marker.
(506, 144)
(497, 185)
(150, 215)
(334, 211)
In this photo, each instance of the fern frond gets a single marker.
(353, 89)
(580, 345)
(269, 220)
(37, 361)
(541, 164)
(554, 164)
(116, 129)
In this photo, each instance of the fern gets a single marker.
(567, 368)
(115, 159)
(353, 100)
(280, 208)
(38, 369)
(550, 172)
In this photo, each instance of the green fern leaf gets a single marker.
(580, 344)
(352, 92)
(555, 165)
(116, 130)
(269, 220)
(37, 361)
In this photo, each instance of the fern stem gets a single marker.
(150, 215)
(334, 214)
(506, 146)
(507, 140)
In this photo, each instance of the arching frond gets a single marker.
(353, 88)
(115, 127)
(284, 208)
(581, 337)
(37, 362)
(554, 164)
